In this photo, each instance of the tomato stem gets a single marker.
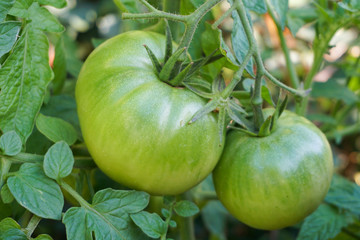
(5, 167)
(33, 223)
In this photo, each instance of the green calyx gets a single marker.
(177, 66)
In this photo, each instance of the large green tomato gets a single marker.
(135, 126)
(275, 181)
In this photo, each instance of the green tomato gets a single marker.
(135, 126)
(275, 181)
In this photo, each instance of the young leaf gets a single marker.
(165, 212)
(56, 129)
(59, 66)
(6, 195)
(240, 43)
(54, 3)
(23, 80)
(150, 223)
(8, 223)
(36, 192)
(13, 233)
(58, 161)
(214, 216)
(280, 8)
(8, 34)
(43, 237)
(258, 6)
(325, 223)
(4, 9)
(108, 216)
(20, 8)
(172, 224)
(43, 19)
(344, 194)
(10, 143)
(186, 208)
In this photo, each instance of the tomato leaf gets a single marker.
(214, 216)
(8, 35)
(56, 129)
(186, 208)
(43, 19)
(58, 161)
(6, 195)
(258, 6)
(294, 23)
(23, 81)
(20, 7)
(334, 90)
(344, 194)
(239, 41)
(107, 217)
(36, 192)
(325, 223)
(10, 143)
(5, 6)
(54, 3)
(280, 8)
(59, 65)
(8, 223)
(43, 237)
(150, 223)
(14, 233)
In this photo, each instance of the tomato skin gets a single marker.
(134, 125)
(275, 181)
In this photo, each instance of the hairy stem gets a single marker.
(5, 167)
(33, 223)
(74, 194)
(290, 66)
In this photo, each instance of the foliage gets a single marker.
(46, 172)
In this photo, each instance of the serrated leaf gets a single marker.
(56, 129)
(8, 35)
(240, 42)
(58, 161)
(43, 19)
(59, 66)
(212, 39)
(23, 80)
(36, 192)
(108, 216)
(280, 8)
(344, 194)
(150, 223)
(6, 195)
(43, 237)
(20, 8)
(214, 216)
(334, 90)
(258, 6)
(325, 223)
(5, 6)
(266, 95)
(294, 23)
(172, 224)
(10, 143)
(8, 223)
(186, 208)
(165, 212)
(13, 234)
(54, 3)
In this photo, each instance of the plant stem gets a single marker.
(187, 231)
(74, 194)
(349, 130)
(5, 167)
(80, 162)
(167, 221)
(155, 15)
(34, 221)
(256, 99)
(290, 66)
(88, 181)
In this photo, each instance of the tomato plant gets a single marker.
(275, 181)
(135, 125)
(115, 113)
